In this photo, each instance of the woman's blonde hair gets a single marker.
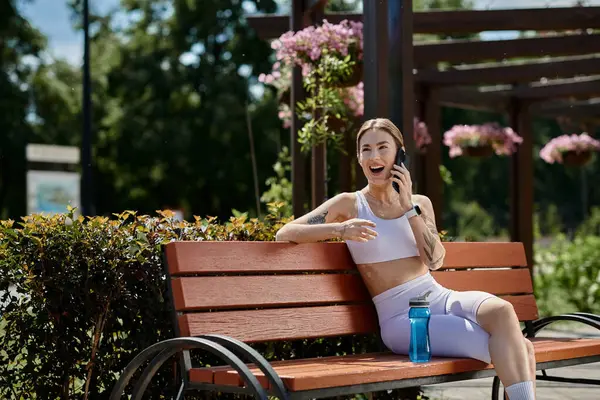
(382, 124)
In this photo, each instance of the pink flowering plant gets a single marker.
(421, 135)
(352, 97)
(555, 150)
(307, 47)
(328, 56)
(503, 140)
(280, 77)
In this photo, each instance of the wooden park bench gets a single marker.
(226, 295)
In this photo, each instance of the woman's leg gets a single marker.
(449, 336)
(532, 362)
(511, 356)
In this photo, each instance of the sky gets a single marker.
(52, 17)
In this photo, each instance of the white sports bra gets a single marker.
(394, 240)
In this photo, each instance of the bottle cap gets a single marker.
(420, 301)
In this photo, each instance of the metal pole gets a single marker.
(86, 142)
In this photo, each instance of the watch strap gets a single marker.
(412, 213)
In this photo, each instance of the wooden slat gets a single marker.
(229, 257)
(237, 257)
(512, 73)
(319, 373)
(581, 110)
(464, 51)
(461, 21)
(579, 88)
(227, 292)
(306, 322)
(283, 323)
(222, 292)
(492, 254)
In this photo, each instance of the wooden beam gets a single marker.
(461, 21)
(587, 110)
(511, 73)
(472, 99)
(579, 88)
(489, 99)
(535, 19)
(464, 51)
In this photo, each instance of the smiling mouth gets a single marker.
(376, 170)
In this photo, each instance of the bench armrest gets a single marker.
(585, 318)
(167, 348)
(247, 353)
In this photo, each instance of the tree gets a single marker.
(20, 45)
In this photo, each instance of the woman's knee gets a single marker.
(496, 313)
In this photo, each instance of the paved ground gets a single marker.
(481, 388)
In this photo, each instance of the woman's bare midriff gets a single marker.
(382, 276)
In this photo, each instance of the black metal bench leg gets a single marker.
(181, 392)
(495, 388)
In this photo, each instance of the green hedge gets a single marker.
(567, 275)
(86, 295)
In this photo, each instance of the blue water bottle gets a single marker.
(419, 349)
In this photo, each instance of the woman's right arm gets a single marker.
(331, 220)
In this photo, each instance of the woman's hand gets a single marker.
(357, 229)
(401, 176)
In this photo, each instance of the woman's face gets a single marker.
(376, 155)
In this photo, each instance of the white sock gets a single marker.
(521, 391)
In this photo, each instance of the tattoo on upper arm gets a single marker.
(318, 219)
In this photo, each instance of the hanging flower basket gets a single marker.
(574, 159)
(481, 140)
(478, 151)
(570, 150)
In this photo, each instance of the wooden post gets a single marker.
(388, 66)
(521, 185)
(297, 94)
(319, 152)
(432, 185)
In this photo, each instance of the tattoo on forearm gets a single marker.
(430, 243)
(318, 219)
(430, 224)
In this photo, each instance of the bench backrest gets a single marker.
(267, 291)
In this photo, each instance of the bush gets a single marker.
(80, 297)
(567, 275)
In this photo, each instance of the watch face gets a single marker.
(418, 209)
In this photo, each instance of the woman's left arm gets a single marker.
(430, 246)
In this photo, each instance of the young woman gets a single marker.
(393, 240)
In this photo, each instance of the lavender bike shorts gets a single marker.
(453, 327)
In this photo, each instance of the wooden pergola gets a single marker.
(557, 74)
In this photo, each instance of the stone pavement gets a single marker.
(482, 388)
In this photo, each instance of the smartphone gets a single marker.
(400, 159)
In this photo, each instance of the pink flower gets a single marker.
(503, 140)
(553, 150)
(421, 135)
